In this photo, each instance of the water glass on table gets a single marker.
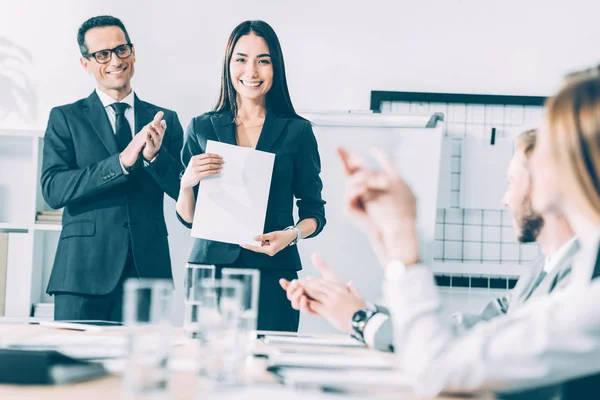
(194, 274)
(250, 281)
(146, 310)
(221, 355)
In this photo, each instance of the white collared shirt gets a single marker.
(551, 340)
(557, 256)
(106, 101)
(129, 113)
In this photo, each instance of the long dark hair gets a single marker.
(278, 97)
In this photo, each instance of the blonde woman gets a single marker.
(547, 341)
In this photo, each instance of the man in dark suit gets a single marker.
(108, 160)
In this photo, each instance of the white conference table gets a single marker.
(183, 384)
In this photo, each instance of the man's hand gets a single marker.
(295, 293)
(154, 131)
(334, 301)
(383, 204)
(356, 173)
(130, 155)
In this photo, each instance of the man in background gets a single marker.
(108, 160)
(345, 309)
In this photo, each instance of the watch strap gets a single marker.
(359, 321)
(298, 234)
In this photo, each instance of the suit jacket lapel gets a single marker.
(272, 129)
(95, 113)
(562, 271)
(544, 287)
(564, 263)
(224, 127)
(144, 114)
(596, 272)
(523, 290)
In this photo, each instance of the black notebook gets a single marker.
(45, 367)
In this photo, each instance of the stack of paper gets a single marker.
(330, 361)
(334, 341)
(344, 380)
(77, 346)
(49, 217)
(336, 362)
(43, 310)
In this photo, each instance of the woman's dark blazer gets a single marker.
(295, 174)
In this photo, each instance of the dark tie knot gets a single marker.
(119, 108)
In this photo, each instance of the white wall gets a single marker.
(336, 51)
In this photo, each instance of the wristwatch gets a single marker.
(359, 321)
(298, 234)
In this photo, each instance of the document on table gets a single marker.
(75, 346)
(79, 346)
(231, 207)
(337, 362)
(337, 341)
(344, 379)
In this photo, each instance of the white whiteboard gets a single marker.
(483, 173)
(416, 152)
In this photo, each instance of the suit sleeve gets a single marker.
(307, 182)
(547, 341)
(379, 332)
(191, 147)
(493, 309)
(166, 168)
(62, 181)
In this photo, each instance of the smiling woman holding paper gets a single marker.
(254, 111)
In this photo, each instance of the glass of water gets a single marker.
(250, 281)
(194, 275)
(221, 358)
(146, 310)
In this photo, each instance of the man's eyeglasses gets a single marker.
(103, 56)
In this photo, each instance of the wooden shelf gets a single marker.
(31, 247)
(47, 227)
(14, 227)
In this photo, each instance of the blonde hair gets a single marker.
(592, 72)
(573, 117)
(526, 141)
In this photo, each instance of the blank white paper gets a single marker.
(341, 341)
(345, 378)
(483, 173)
(231, 207)
(330, 361)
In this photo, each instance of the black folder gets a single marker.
(44, 367)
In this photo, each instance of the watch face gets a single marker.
(358, 316)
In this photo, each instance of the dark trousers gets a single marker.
(109, 307)
(275, 312)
